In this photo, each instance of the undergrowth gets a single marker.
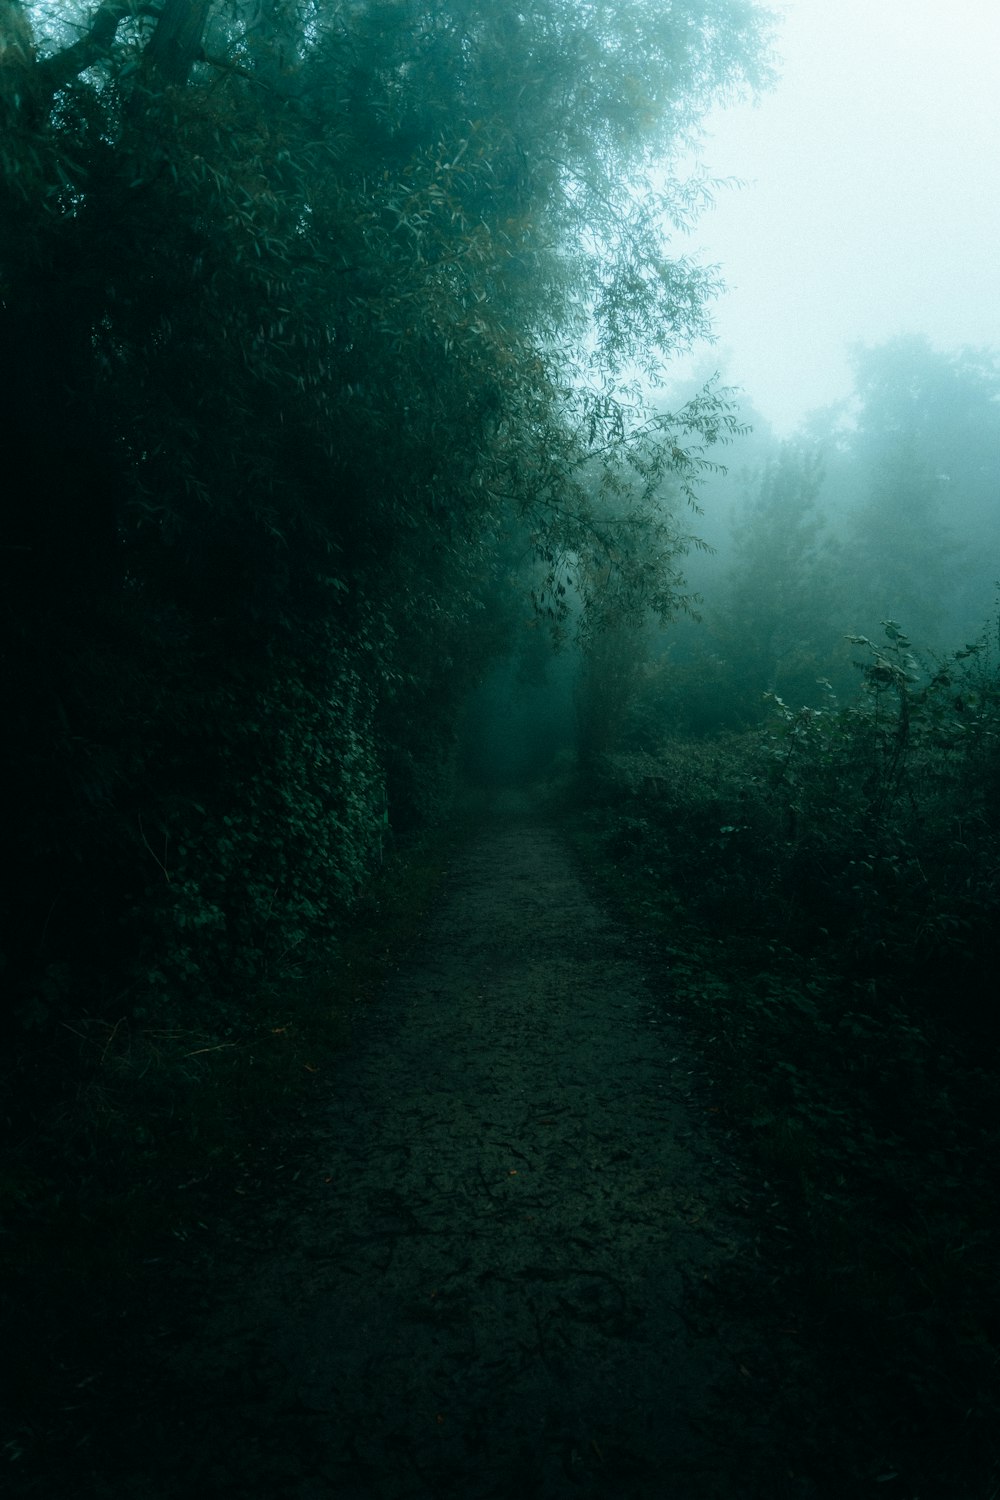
(131, 1135)
(825, 895)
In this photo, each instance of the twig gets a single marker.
(159, 861)
(114, 1033)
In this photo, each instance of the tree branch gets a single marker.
(52, 73)
(175, 44)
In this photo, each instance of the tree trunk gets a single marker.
(175, 44)
(17, 63)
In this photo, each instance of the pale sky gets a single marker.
(873, 199)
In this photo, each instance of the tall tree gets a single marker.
(917, 476)
(777, 613)
(302, 310)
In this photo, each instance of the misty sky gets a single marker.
(872, 206)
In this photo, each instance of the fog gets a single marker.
(869, 207)
(859, 324)
(370, 550)
(519, 724)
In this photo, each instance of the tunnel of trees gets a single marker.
(302, 306)
(335, 389)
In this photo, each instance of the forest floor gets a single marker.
(510, 1256)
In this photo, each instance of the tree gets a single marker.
(916, 476)
(776, 617)
(770, 622)
(302, 308)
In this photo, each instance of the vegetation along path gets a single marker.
(489, 1279)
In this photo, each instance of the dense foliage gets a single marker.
(826, 890)
(300, 310)
(318, 325)
(326, 329)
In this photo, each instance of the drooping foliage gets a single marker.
(303, 309)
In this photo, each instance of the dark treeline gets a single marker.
(327, 335)
(298, 306)
(322, 331)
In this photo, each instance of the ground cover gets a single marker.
(847, 1074)
(127, 1141)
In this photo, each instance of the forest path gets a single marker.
(484, 1282)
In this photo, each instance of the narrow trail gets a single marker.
(485, 1283)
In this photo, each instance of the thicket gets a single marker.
(827, 890)
(289, 303)
(318, 325)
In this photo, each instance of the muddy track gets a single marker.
(486, 1280)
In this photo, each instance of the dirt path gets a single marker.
(484, 1283)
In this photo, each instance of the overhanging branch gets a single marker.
(53, 73)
